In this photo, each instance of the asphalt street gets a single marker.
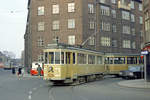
(29, 88)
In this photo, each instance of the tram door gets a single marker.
(70, 60)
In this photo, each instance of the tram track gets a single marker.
(69, 92)
(50, 91)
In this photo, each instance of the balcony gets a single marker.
(124, 6)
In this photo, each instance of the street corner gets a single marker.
(140, 83)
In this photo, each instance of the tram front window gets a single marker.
(57, 57)
(46, 59)
(51, 57)
(62, 57)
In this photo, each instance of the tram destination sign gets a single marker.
(144, 52)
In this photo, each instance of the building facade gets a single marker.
(112, 26)
(146, 28)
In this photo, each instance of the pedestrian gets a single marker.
(39, 70)
(13, 70)
(19, 72)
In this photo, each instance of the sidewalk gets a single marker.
(141, 83)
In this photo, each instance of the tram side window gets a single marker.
(91, 59)
(119, 60)
(108, 60)
(81, 58)
(131, 60)
(51, 57)
(62, 57)
(99, 60)
(46, 58)
(57, 57)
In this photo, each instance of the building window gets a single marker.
(105, 41)
(146, 15)
(102, 1)
(113, 1)
(91, 24)
(105, 26)
(113, 13)
(71, 40)
(132, 18)
(56, 25)
(114, 28)
(71, 23)
(126, 29)
(91, 8)
(132, 4)
(41, 26)
(40, 42)
(125, 15)
(105, 10)
(140, 7)
(41, 10)
(133, 45)
(91, 41)
(141, 20)
(133, 31)
(71, 7)
(55, 9)
(114, 43)
(126, 44)
(147, 25)
(141, 33)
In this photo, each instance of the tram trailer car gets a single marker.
(72, 65)
(116, 62)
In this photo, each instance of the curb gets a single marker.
(142, 84)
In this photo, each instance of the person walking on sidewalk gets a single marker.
(19, 72)
(39, 70)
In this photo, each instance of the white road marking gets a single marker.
(29, 97)
(30, 92)
(34, 89)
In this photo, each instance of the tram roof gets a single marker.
(121, 54)
(70, 47)
(80, 48)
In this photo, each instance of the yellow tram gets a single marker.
(116, 62)
(66, 64)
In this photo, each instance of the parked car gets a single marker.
(133, 72)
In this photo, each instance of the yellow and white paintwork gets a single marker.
(71, 71)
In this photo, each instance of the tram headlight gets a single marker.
(120, 73)
(131, 74)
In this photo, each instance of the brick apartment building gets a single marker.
(113, 26)
(146, 17)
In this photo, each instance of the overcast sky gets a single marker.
(13, 15)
